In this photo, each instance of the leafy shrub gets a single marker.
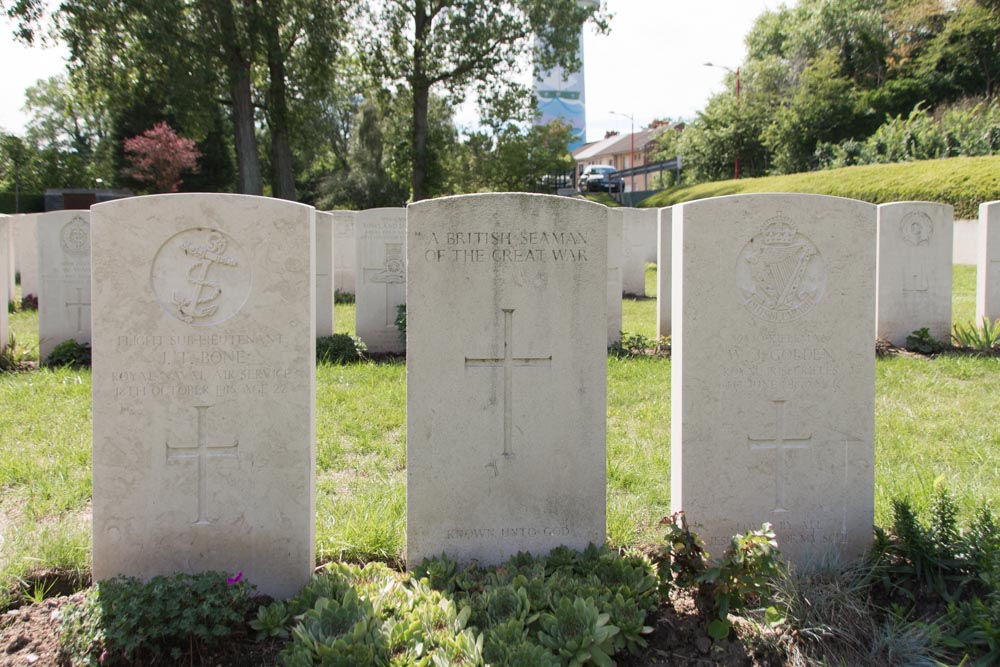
(637, 345)
(339, 349)
(923, 342)
(70, 353)
(401, 320)
(29, 302)
(126, 621)
(682, 551)
(982, 338)
(342, 297)
(13, 356)
(562, 609)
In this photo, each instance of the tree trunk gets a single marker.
(421, 96)
(238, 74)
(282, 176)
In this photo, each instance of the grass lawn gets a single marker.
(935, 421)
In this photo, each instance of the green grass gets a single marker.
(935, 419)
(963, 182)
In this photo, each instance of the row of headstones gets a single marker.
(913, 282)
(204, 317)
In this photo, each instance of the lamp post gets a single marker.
(736, 168)
(631, 156)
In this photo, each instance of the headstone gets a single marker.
(638, 247)
(204, 388)
(8, 236)
(773, 371)
(25, 229)
(5, 261)
(343, 251)
(64, 286)
(506, 375)
(914, 270)
(988, 263)
(380, 261)
(324, 274)
(663, 268)
(614, 276)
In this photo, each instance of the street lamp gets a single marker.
(737, 73)
(631, 156)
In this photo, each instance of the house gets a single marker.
(618, 151)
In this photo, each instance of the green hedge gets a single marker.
(963, 182)
(26, 203)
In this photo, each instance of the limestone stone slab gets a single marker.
(344, 279)
(663, 264)
(204, 388)
(6, 260)
(506, 375)
(8, 236)
(25, 229)
(914, 270)
(773, 371)
(324, 274)
(638, 247)
(614, 275)
(380, 261)
(64, 285)
(988, 262)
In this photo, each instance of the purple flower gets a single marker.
(236, 579)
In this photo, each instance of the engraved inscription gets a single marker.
(781, 444)
(916, 291)
(916, 228)
(392, 274)
(201, 277)
(517, 247)
(506, 532)
(79, 305)
(780, 274)
(508, 362)
(202, 451)
(75, 237)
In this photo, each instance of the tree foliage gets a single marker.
(158, 157)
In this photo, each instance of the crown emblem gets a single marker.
(779, 230)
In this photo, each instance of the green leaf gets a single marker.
(718, 629)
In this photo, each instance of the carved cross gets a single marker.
(79, 305)
(508, 363)
(202, 451)
(780, 443)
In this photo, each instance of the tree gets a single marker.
(158, 156)
(455, 46)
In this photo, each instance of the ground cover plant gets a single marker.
(935, 426)
(962, 182)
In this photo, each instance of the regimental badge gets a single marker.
(916, 228)
(75, 237)
(780, 274)
(201, 277)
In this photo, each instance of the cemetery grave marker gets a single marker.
(343, 251)
(773, 371)
(64, 287)
(380, 239)
(324, 274)
(914, 270)
(638, 247)
(25, 228)
(506, 375)
(204, 388)
(663, 264)
(988, 263)
(614, 276)
(5, 260)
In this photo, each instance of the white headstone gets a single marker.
(324, 274)
(26, 248)
(914, 270)
(773, 371)
(343, 251)
(663, 270)
(6, 260)
(8, 234)
(614, 275)
(638, 247)
(988, 263)
(506, 375)
(204, 388)
(64, 287)
(380, 261)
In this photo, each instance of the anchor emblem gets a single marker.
(192, 307)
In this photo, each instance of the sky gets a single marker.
(651, 64)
